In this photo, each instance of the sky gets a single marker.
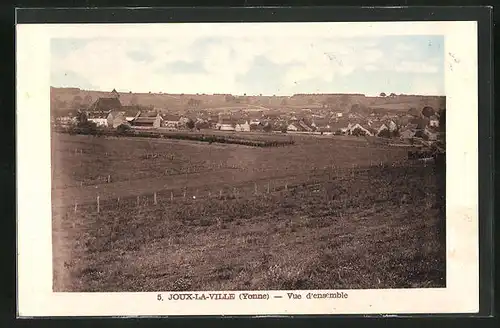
(252, 65)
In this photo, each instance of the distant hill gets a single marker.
(64, 99)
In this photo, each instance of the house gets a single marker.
(434, 121)
(293, 127)
(325, 130)
(171, 121)
(225, 124)
(99, 118)
(242, 126)
(377, 127)
(116, 118)
(254, 121)
(353, 128)
(131, 112)
(391, 125)
(303, 125)
(151, 119)
(320, 123)
(105, 105)
(338, 127)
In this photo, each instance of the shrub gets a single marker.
(358, 132)
(384, 133)
(123, 129)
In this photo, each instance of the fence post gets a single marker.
(220, 193)
(76, 206)
(255, 187)
(155, 198)
(184, 193)
(268, 187)
(137, 201)
(171, 196)
(209, 194)
(118, 201)
(109, 178)
(98, 207)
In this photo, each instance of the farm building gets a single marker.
(105, 105)
(147, 120)
(130, 112)
(242, 126)
(99, 118)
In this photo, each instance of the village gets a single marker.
(412, 126)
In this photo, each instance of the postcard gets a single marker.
(247, 168)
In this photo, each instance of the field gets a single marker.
(181, 215)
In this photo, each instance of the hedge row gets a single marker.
(179, 136)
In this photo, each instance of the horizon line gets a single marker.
(248, 95)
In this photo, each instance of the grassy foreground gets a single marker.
(383, 229)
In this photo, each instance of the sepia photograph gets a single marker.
(306, 165)
(311, 163)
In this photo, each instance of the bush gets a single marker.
(384, 133)
(358, 132)
(123, 129)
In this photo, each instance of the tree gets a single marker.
(382, 94)
(122, 129)
(392, 95)
(428, 111)
(230, 98)
(81, 118)
(190, 124)
(267, 127)
(413, 111)
(385, 133)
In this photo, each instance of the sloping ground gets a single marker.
(382, 229)
(82, 164)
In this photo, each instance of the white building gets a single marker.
(242, 126)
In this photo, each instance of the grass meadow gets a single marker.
(324, 213)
